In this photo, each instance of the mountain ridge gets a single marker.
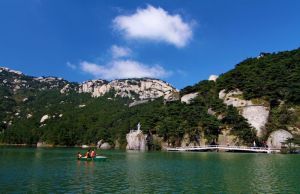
(257, 101)
(142, 88)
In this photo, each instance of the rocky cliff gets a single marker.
(135, 89)
(256, 114)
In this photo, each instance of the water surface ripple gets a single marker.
(30, 170)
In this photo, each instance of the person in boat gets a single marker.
(88, 154)
(93, 153)
(79, 155)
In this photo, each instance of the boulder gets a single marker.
(105, 146)
(276, 138)
(43, 145)
(99, 143)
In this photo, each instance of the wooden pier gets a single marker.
(224, 148)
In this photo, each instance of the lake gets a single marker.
(56, 170)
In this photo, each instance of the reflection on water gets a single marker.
(58, 171)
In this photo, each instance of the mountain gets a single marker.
(257, 101)
(135, 89)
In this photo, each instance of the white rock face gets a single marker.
(189, 97)
(105, 146)
(81, 105)
(144, 88)
(44, 118)
(257, 116)
(29, 116)
(277, 137)
(213, 78)
(136, 140)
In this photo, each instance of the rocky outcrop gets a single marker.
(213, 78)
(136, 89)
(189, 97)
(276, 138)
(136, 140)
(44, 118)
(256, 115)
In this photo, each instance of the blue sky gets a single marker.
(179, 41)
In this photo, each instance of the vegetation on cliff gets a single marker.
(77, 118)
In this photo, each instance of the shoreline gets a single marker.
(48, 146)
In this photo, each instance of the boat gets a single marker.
(97, 158)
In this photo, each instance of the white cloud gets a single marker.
(120, 69)
(118, 51)
(72, 66)
(154, 24)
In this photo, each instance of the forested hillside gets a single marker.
(275, 77)
(52, 110)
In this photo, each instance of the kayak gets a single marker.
(97, 158)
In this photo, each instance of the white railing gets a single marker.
(222, 147)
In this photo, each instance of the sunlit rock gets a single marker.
(189, 97)
(256, 115)
(81, 105)
(136, 140)
(276, 138)
(105, 146)
(44, 118)
(43, 145)
(213, 78)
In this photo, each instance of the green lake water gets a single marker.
(56, 170)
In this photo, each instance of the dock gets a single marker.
(224, 148)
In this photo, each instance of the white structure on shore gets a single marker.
(136, 140)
